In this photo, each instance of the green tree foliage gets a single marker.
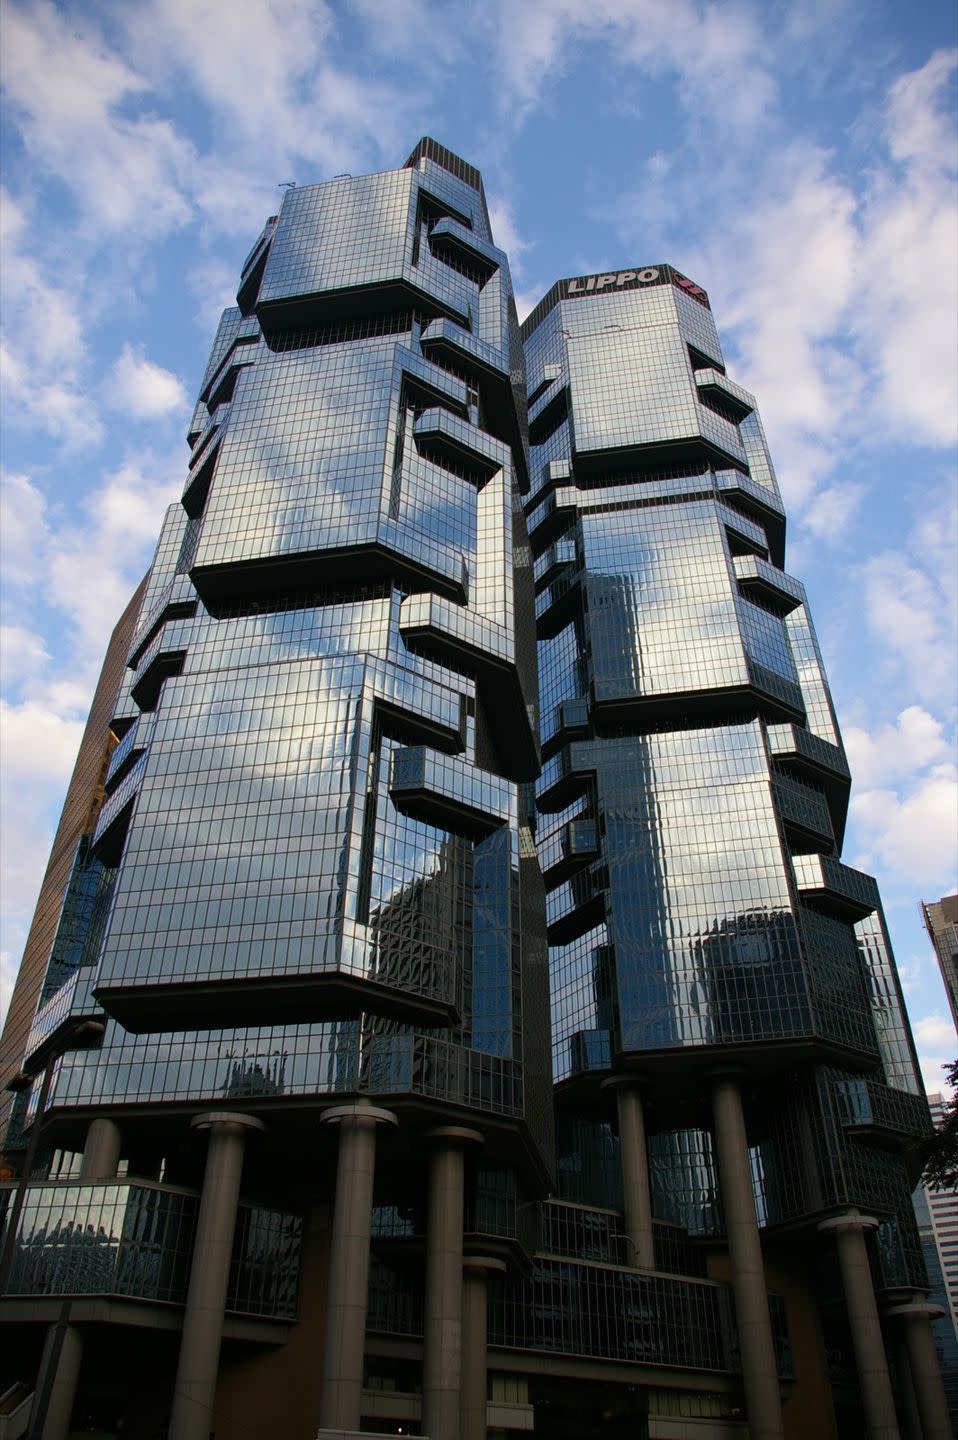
(940, 1150)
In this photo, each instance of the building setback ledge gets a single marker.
(835, 886)
(139, 1314)
(264, 1000)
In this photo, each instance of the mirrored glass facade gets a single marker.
(694, 786)
(473, 776)
(317, 809)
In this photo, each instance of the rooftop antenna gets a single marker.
(286, 185)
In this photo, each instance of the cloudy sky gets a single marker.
(796, 157)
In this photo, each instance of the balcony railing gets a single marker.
(444, 334)
(796, 744)
(838, 886)
(119, 800)
(595, 1311)
(772, 586)
(70, 1007)
(804, 808)
(863, 1104)
(449, 790)
(135, 1239)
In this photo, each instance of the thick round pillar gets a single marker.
(759, 1371)
(101, 1153)
(871, 1362)
(56, 1382)
(916, 1318)
(349, 1263)
(195, 1387)
(909, 1416)
(634, 1159)
(475, 1384)
(442, 1321)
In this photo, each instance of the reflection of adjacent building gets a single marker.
(739, 957)
(255, 1075)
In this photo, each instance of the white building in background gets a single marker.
(943, 1215)
(937, 1215)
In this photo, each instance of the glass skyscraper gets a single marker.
(286, 1148)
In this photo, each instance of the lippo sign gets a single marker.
(633, 280)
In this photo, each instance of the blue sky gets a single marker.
(796, 159)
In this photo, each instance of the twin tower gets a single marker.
(447, 1011)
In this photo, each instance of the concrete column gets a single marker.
(195, 1387)
(101, 1153)
(634, 1156)
(349, 1263)
(811, 1179)
(57, 1381)
(474, 1330)
(916, 1318)
(442, 1338)
(759, 1373)
(870, 1360)
(63, 1347)
(908, 1405)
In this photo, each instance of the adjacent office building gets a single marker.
(937, 1214)
(941, 922)
(467, 689)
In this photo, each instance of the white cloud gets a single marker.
(906, 313)
(791, 275)
(23, 654)
(934, 538)
(919, 129)
(37, 752)
(718, 53)
(400, 28)
(912, 621)
(72, 96)
(909, 836)
(937, 1046)
(9, 965)
(47, 311)
(95, 106)
(506, 235)
(265, 53)
(936, 1031)
(911, 972)
(312, 116)
(37, 743)
(122, 520)
(830, 509)
(144, 390)
(118, 524)
(42, 351)
(890, 752)
(50, 552)
(836, 287)
(213, 281)
(33, 404)
(904, 808)
(780, 272)
(23, 524)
